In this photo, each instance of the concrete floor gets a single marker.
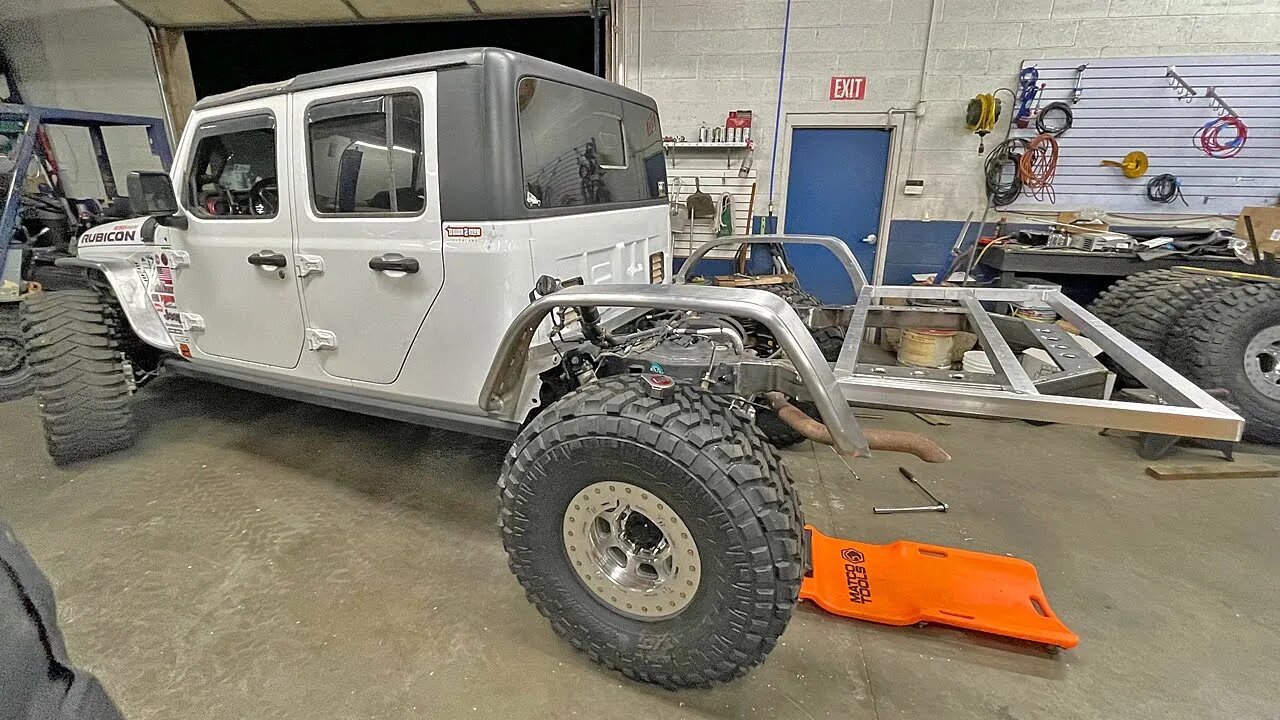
(256, 558)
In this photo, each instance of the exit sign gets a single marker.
(848, 87)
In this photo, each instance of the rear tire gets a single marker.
(779, 433)
(694, 456)
(15, 375)
(1233, 342)
(829, 339)
(78, 374)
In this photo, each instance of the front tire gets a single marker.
(687, 480)
(15, 374)
(79, 375)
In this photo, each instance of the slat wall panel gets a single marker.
(716, 180)
(1128, 104)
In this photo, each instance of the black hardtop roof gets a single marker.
(516, 64)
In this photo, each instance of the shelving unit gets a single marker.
(728, 148)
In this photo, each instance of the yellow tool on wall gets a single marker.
(980, 116)
(1134, 164)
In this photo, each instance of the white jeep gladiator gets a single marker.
(479, 240)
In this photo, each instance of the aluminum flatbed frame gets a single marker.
(1075, 394)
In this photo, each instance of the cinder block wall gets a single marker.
(700, 60)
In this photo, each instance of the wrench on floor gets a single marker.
(939, 506)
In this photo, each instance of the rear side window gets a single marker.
(579, 147)
(366, 155)
(233, 169)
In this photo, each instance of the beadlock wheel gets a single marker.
(1262, 362)
(633, 551)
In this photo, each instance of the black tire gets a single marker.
(1154, 311)
(711, 466)
(1212, 349)
(78, 374)
(1112, 302)
(15, 375)
(829, 339)
(779, 433)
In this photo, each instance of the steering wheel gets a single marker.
(264, 197)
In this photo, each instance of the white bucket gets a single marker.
(976, 361)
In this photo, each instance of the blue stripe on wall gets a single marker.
(922, 246)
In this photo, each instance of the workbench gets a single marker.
(1083, 274)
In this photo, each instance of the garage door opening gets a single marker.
(223, 60)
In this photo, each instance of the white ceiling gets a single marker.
(206, 13)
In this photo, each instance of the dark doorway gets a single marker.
(223, 60)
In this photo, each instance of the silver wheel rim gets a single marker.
(631, 550)
(1262, 362)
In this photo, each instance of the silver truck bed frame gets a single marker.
(1073, 395)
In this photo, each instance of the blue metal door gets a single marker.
(835, 186)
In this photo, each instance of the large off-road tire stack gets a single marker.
(1219, 332)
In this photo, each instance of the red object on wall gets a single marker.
(848, 87)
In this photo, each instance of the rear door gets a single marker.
(367, 220)
(240, 291)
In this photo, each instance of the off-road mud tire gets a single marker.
(1210, 349)
(1154, 311)
(1112, 302)
(78, 374)
(710, 464)
(15, 374)
(779, 433)
(829, 339)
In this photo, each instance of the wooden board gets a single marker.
(1176, 471)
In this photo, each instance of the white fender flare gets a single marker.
(122, 274)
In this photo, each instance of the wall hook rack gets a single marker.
(1179, 84)
(1218, 104)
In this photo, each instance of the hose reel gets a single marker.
(981, 115)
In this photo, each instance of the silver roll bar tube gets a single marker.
(506, 374)
(834, 244)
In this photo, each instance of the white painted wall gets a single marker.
(702, 59)
(83, 55)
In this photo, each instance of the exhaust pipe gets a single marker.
(888, 440)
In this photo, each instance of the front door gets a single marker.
(240, 291)
(835, 186)
(368, 221)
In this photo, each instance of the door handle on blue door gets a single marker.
(394, 263)
(268, 258)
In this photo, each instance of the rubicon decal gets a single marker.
(112, 235)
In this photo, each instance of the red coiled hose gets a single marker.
(1208, 138)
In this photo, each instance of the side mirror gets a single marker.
(151, 193)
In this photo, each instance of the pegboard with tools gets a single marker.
(1160, 135)
(685, 178)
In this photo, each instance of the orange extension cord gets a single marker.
(1037, 166)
